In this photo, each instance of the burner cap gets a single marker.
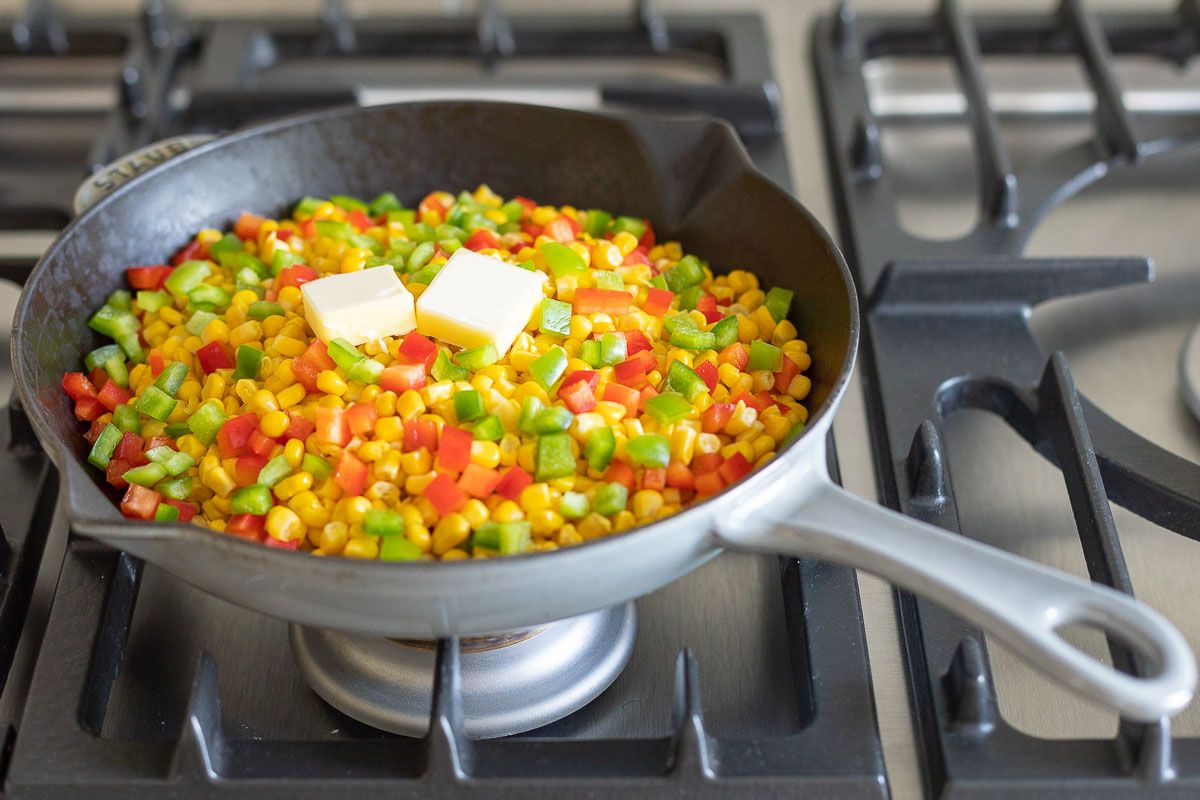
(511, 682)
(1189, 372)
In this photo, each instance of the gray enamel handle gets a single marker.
(1019, 602)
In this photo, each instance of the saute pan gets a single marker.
(694, 181)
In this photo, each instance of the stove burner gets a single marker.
(511, 683)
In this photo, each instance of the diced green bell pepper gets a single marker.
(425, 275)
(398, 548)
(613, 348)
(261, 309)
(765, 356)
(631, 225)
(421, 254)
(725, 332)
(249, 360)
(121, 300)
(598, 448)
(609, 498)
(683, 379)
(487, 536)
(187, 276)
(382, 522)
(658, 282)
(405, 216)
(589, 351)
(115, 367)
(553, 457)
(779, 302)
(552, 420)
(153, 301)
(274, 471)
(668, 407)
(689, 297)
(132, 346)
(155, 403)
(316, 466)
(678, 322)
(113, 322)
(384, 204)
(596, 222)
(229, 243)
(444, 368)
(573, 505)
(348, 203)
(561, 259)
(334, 229)
(477, 357)
(555, 317)
(176, 429)
(241, 260)
(649, 450)
(104, 446)
(99, 356)
(165, 512)
(146, 474)
(468, 405)
(449, 245)
(253, 499)
(176, 488)
(514, 537)
(307, 206)
(173, 461)
(127, 419)
(344, 354)
(199, 321)
(208, 297)
(686, 273)
(546, 369)
(693, 340)
(488, 429)
(367, 370)
(206, 420)
(530, 408)
(609, 279)
(172, 378)
(284, 259)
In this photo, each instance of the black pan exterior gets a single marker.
(690, 177)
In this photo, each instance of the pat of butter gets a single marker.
(477, 299)
(359, 306)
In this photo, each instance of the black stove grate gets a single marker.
(947, 329)
(78, 729)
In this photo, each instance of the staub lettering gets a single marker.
(122, 171)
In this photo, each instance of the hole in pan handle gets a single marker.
(1022, 603)
(104, 182)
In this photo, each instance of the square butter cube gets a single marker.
(359, 306)
(477, 299)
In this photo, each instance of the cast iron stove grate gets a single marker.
(115, 707)
(947, 329)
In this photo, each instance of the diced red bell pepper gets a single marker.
(290, 544)
(247, 467)
(131, 448)
(306, 371)
(591, 377)
(261, 444)
(654, 478)
(350, 474)
(632, 371)
(560, 230)
(439, 202)
(636, 256)
(707, 306)
(533, 231)
(528, 206)
(478, 481)
(77, 386)
(115, 471)
(445, 495)
(139, 502)
(191, 251)
(361, 418)
(679, 476)
(709, 483)
(420, 433)
(713, 418)
(454, 450)
(416, 348)
(332, 426)
(402, 377)
(764, 400)
(112, 396)
(186, 510)
(646, 393)
(155, 359)
(308, 228)
(318, 353)
(300, 427)
(708, 372)
(648, 239)
(295, 275)
(93, 431)
(88, 409)
(359, 220)
(734, 467)
(620, 472)
(158, 441)
(706, 462)
(607, 301)
(149, 278)
(578, 396)
(481, 239)
(247, 226)
(246, 526)
(636, 342)
(658, 301)
(737, 354)
(745, 397)
(98, 376)
(214, 356)
(787, 371)
(512, 482)
(233, 439)
(626, 396)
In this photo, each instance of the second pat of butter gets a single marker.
(359, 306)
(477, 299)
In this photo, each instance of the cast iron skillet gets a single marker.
(694, 181)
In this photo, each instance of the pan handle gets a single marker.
(1020, 602)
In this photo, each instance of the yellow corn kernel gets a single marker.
(510, 443)
(761, 380)
(389, 429)
(545, 522)
(291, 396)
(330, 382)
(385, 492)
(333, 537)
(475, 512)
(385, 403)
(507, 511)
(799, 387)
(785, 331)
(283, 524)
(743, 384)
(274, 423)
(763, 444)
(535, 497)
(526, 457)
(293, 484)
(485, 454)
(219, 481)
(409, 404)
(415, 484)
(361, 547)
(250, 331)
(567, 536)
(418, 534)
(747, 330)
(743, 417)
(683, 444)
(451, 531)
(625, 242)
(371, 451)
(388, 467)
(728, 374)
(273, 325)
(263, 402)
(594, 525)
(355, 508)
(293, 452)
(708, 443)
(624, 520)
(215, 331)
(745, 448)
(290, 298)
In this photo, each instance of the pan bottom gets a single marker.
(511, 683)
